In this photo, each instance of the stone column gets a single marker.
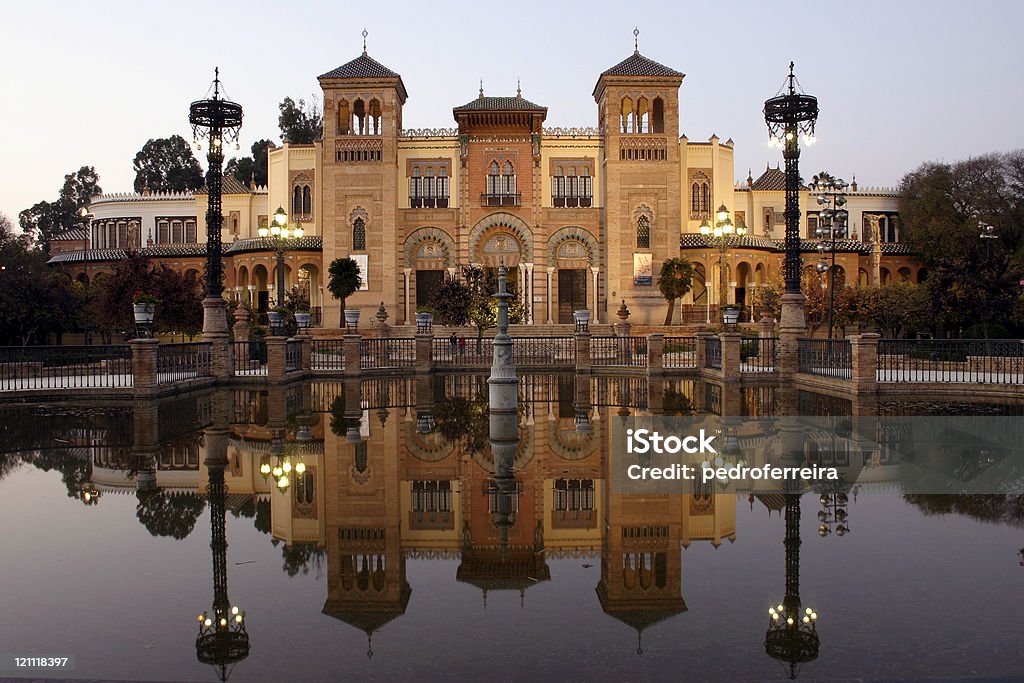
(407, 272)
(221, 355)
(252, 294)
(597, 315)
(276, 358)
(424, 352)
(655, 354)
(547, 293)
(731, 356)
(306, 355)
(792, 327)
(528, 292)
(144, 381)
(864, 352)
(350, 354)
(582, 351)
(242, 329)
(656, 395)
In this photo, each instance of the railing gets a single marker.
(250, 358)
(60, 367)
(825, 357)
(757, 354)
(680, 352)
(292, 355)
(995, 361)
(544, 351)
(713, 353)
(618, 351)
(386, 353)
(565, 202)
(327, 354)
(176, 362)
(463, 352)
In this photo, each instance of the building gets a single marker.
(583, 217)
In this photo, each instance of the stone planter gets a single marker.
(352, 318)
(730, 316)
(582, 319)
(302, 318)
(144, 313)
(424, 322)
(274, 318)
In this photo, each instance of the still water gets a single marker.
(403, 550)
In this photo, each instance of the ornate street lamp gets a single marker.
(832, 223)
(722, 236)
(86, 216)
(789, 115)
(281, 238)
(219, 121)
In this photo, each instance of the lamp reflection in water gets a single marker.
(792, 636)
(222, 641)
(279, 463)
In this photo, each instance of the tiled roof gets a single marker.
(772, 180)
(500, 104)
(638, 65)
(896, 248)
(195, 249)
(306, 243)
(363, 66)
(229, 185)
(74, 234)
(691, 240)
(91, 255)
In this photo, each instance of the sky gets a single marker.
(898, 82)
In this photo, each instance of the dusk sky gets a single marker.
(898, 83)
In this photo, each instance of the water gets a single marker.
(921, 587)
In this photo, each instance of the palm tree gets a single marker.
(345, 280)
(674, 281)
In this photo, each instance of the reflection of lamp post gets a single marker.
(792, 636)
(222, 640)
(722, 236)
(833, 511)
(789, 114)
(281, 237)
(832, 222)
(87, 217)
(281, 468)
(219, 120)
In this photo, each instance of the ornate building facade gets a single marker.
(583, 217)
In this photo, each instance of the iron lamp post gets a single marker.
(281, 238)
(832, 224)
(722, 236)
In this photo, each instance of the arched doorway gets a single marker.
(259, 278)
(573, 253)
(742, 284)
(428, 254)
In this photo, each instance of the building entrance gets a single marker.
(428, 282)
(572, 293)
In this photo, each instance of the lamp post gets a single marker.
(788, 115)
(832, 223)
(219, 121)
(87, 217)
(281, 237)
(722, 236)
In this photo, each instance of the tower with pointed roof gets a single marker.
(638, 111)
(363, 102)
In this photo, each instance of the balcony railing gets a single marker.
(428, 202)
(571, 202)
(500, 199)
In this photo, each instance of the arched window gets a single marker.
(493, 179)
(508, 180)
(442, 188)
(428, 186)
(359, 235)
(643, 232)
(695, 199)
(359, 112)
(626, 119)
(416, 188)
(705, 198)
(296, 200)
(643, 118)
(344, 118)
(658, 116)
(307, 200)
(375, 118)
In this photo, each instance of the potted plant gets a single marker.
(276, 317)
(424, 319)
(581, 318)
(730, 314)
(352, 318)
(302, 315)
(144, 306)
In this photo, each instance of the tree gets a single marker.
(971, 279)
(44, 220)
(167, 165)
(300, 124)
(344, 279)
(767, 296)
(896, 308)
(472, 302)
(37, 301)
(674, 282)
(252, 168)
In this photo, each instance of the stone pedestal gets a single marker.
(144, 380)
(702, 349)
(864, 356)
(221, 353)
(582, 340)
(242, 329)
(792, 327)
(731, 342)
(424, 352)
(306, 354)
(350, 354)
(215, 316)
(622, 329)
(655, 354)
(276, 358)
